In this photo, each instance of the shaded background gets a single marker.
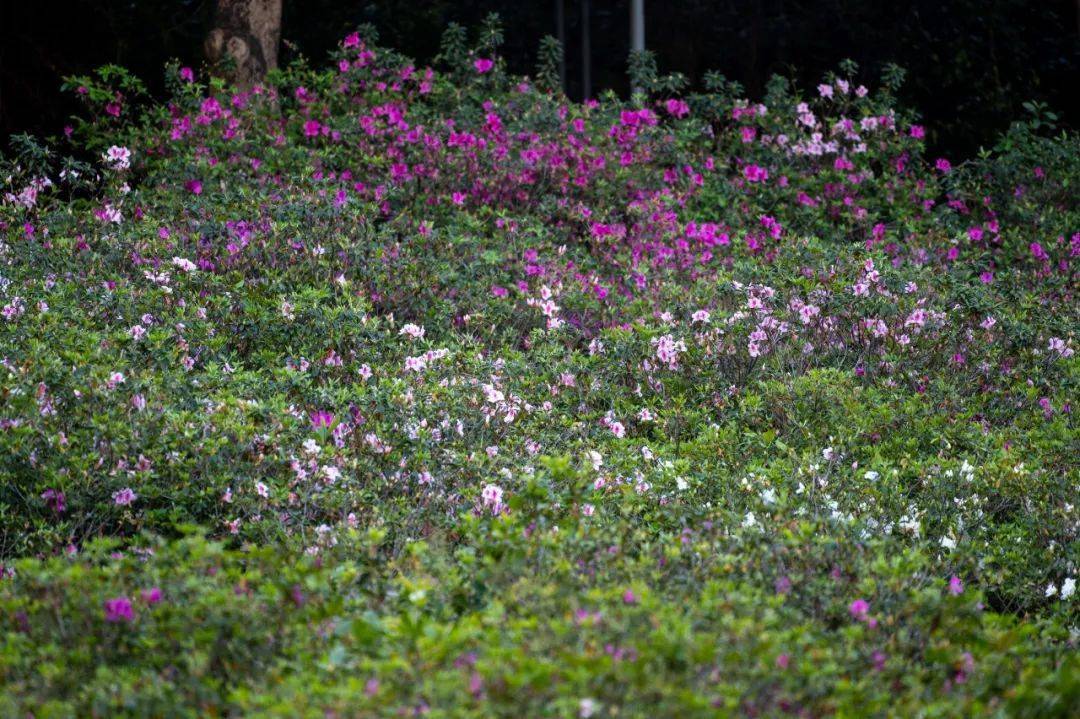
(971, 63)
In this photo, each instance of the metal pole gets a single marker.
(637, 24)
(586, 52)
(637, 30)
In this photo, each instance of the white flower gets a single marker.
(183, 264)
(1068, 587)
(118, 157)
(871, 475)
(1051, 589)
(587, 707)
(414, 331)
(681, 483)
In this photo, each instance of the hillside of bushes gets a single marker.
(383, 390)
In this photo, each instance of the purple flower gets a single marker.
(859, 608)
(151, 595)
(483, 65)
(54, 498)
(118, 609)
(321, 419)
(124, 497)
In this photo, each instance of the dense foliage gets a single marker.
(382, 391)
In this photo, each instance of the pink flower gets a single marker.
(753, 173)
(118, 609)
(492, 498)
(321, 419)
(187, 75)
(193, 186)
(677, 108)
(483, 65)
(859, 608)
(956, 586)
(943, 166)
(151, 595)
(124, 497)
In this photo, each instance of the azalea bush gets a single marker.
(388, 390)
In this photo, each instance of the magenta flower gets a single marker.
(483, 65)
(753, 173)
(54, 498)
(859, 608)
(193, 186)
(118, 609)
(187, 75)
(956, 586)
(678, 108)
(321, 419)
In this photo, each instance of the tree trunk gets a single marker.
(244, 39)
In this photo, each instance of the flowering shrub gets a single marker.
(488, 403)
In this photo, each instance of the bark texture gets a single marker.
(247, 32)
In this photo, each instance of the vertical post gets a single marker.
(637, 24)
(637, 30)
(560, 33)
(586, 53)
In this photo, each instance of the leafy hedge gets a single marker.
(382, 391)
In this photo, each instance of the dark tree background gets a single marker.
(971, 63)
